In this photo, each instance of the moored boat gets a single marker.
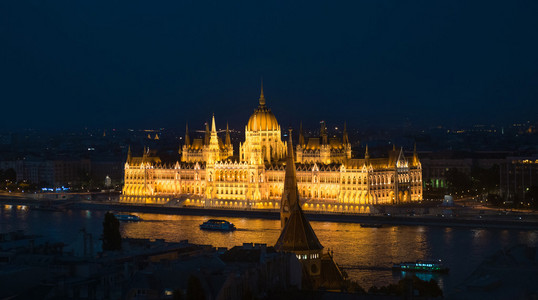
(218, 225)
(127, 218)
(421, 266)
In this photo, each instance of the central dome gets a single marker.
(262, 118)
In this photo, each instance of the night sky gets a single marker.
(151, 64)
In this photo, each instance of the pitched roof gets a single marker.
(197, 144)
(335, 143)
(298, 234)
(242, 254)
(313, 144)
(137, 161)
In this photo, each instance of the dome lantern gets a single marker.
(262, 119)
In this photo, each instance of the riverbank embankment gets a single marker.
(508, 222)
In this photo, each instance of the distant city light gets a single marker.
(58, 189)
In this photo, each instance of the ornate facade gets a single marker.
(329, 179)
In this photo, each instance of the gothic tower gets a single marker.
(297, 235)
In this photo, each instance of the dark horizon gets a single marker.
(116, 65)
(314, 126)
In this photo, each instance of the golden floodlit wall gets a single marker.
(329, 179)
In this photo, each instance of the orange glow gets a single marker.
(328, 177)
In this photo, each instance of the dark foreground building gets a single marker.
(298, 237)
(33, 267)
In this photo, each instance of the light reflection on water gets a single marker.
(366, 253)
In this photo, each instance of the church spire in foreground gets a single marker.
(297, 234)
(290, 194)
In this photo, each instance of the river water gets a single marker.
(366, 254)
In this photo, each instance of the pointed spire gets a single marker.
(290, 195)
(323, 133)
(290, 150)
(415, 155)
(297, 233)
(262, 97)
(213, 126)
(228, 140)
(393, 147)
(187, 138)
(301, 135)
(401, 162)
(129, 154)
(207, 134)
(345, 138)
(366, 154)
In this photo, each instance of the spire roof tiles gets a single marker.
(297, 234)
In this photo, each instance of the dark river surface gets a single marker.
(366, 254)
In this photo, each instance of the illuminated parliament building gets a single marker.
(328, 177)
